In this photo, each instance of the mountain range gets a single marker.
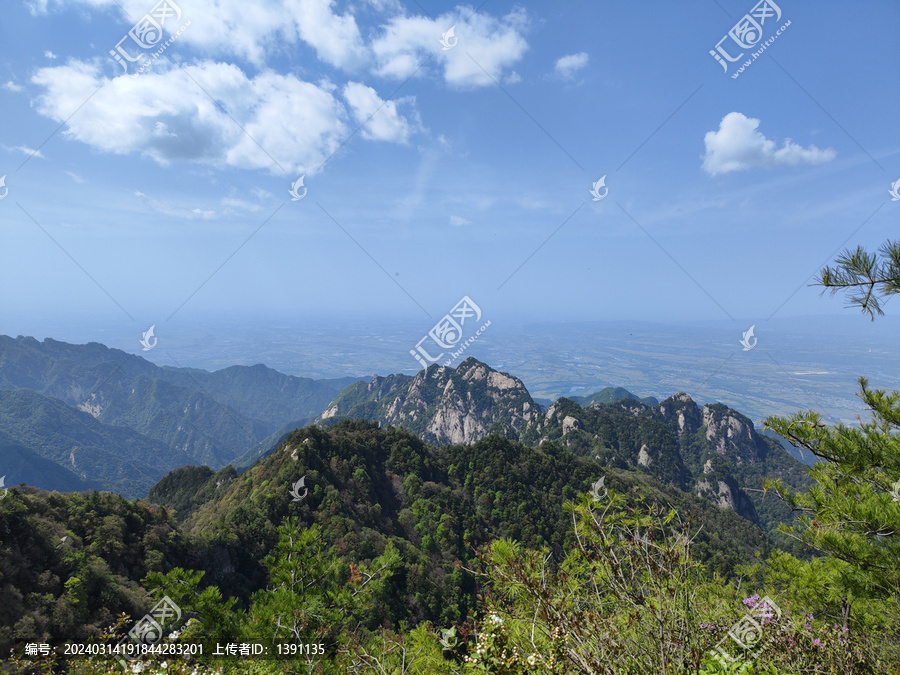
(430, 466)
(713, 451)
(116, 421)
(109, 420)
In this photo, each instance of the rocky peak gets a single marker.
(731, 432)
(441, 404)
(680, 411)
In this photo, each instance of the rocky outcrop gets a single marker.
(643, 458)
(725, 494)
(569, 423)
(442, 405)
(681, 413)
(732, 433)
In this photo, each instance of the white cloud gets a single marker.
(737, 145)
(385, 5)
(567, 66)
(12, 86)
(386, 124)
(459, 221)
(290, 125)
(486, 47)
(74, 176)
(31, 152)
(335, 37)
(175, 211)
(252, 31)
(49, 54)
(233, 28)
(37, 7)
(218, 27)
(25, 150)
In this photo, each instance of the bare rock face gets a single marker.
(732, 434)
(569, 423)
(644, 458)
(725, 493)
(443, 405)
(92, 405)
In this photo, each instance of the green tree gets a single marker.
(627, 598)
(853, 510)
(866, 277)
(312, 596)
(216, 614)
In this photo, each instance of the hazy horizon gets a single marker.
(316, 188)
(808, 363)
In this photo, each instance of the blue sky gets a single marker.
(157, 198)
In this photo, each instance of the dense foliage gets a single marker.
(396, 556)
(70, 563)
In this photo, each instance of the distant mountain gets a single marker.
(269, 444)
(102, 455)
(261, 393)
(183, 418)
(441, 405)
(713, 452)
(198, 416)
(19, 464)
(135, 420)
(611, 395)
(797, 453)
